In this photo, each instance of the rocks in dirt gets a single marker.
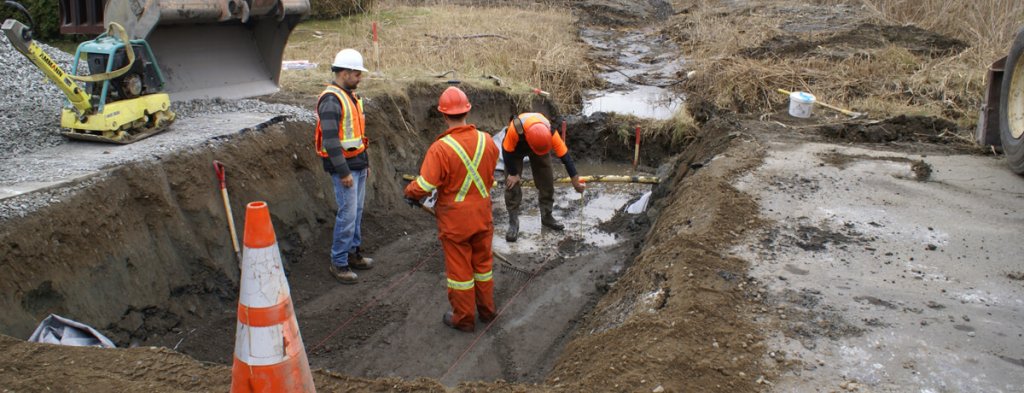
(922, 170)
(139, 324)
(201, 107)
(902, 128)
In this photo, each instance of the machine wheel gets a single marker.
(1011, 107)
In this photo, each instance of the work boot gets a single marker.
(344, 274)
(357, 261)
(487, 320)
(513, 227)
(549, 221)
(447, 320)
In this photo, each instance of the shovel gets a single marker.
(219, 169)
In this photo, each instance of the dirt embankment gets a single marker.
(156, 259)
(676, 318)
(679, 317)
(138, 248)
(146, 245)
(609, 137)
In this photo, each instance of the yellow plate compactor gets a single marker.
(121, 98)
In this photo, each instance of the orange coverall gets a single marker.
(463, 177)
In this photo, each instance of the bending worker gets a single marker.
(341, 144)
(460, 166)
(530, 134)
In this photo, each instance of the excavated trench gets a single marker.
(142, 252)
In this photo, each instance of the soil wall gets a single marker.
(135, 249)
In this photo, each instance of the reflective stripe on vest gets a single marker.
(483, 277)
(350, 140)
(472, 176)
(460, 285)
(424, 184)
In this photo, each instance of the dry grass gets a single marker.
(680, 128)
(421, 42)
(988, 25)
(884, 81)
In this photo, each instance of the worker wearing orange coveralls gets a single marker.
(460, 166)
(530, 134)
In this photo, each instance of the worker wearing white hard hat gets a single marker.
(341, 144)
(348, 59)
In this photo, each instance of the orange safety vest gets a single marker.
(513, 132)
(350, 128)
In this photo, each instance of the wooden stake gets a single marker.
(376, 47)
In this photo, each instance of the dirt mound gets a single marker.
(901, 128)
(860, 41)
(34, 367)
(607, 136)
(623, 12)
(678, 317)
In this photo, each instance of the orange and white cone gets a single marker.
(269, 355)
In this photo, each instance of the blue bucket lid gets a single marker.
(802, 97)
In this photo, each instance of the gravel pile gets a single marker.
(30, 104)
(202, 107)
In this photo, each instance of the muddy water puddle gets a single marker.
(581, 214)
(639, 66)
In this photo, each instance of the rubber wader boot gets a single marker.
(549, 221)
(513, 227)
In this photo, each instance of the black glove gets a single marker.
(413, 202)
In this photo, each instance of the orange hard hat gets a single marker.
(538, 136)
(453, 102)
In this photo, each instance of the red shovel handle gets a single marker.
(218, 168)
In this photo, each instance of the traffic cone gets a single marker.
(269, 355)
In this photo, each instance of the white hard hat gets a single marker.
(349, 59)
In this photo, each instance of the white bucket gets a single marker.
(800, 104)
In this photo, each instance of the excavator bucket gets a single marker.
(206, 48)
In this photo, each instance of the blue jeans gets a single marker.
(348, 221)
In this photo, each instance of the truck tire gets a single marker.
(1011, 107)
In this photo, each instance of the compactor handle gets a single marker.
(31, 23)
